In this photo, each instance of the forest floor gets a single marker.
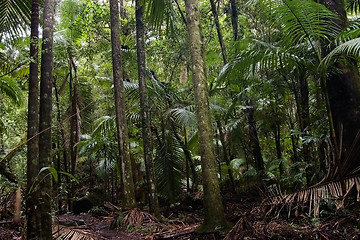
(251, 219)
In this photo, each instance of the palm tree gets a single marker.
(146, 128)
(45, 199)
(33, 218)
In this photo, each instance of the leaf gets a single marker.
(70, 175)
(14, 16)
(51, 170)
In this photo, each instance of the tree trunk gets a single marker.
(214, 211)
(304, 120)
(219, 32)
(343, 88)
(146, 127)
(254, 141)
(122, 134)
(32, 216)
(45, 121)
(234, 19)
(225, 153)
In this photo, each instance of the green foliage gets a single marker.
(168, 166)
(10, 88)
(14, 16)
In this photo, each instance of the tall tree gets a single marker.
(122, 133)
(213, 208)
(146, 128)
(33, 126)
(45, 199)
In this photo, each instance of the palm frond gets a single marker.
(14, 16)
(314, 196)
(353, 6)
(103, 125)
(168, 165)
(302, 21)
(160, 11)
(183, 116)
(11, 89)
(260, 57)
(350, 48)
(71, 233)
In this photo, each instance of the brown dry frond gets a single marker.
(70, 233)
(313, 196)
(135, 218)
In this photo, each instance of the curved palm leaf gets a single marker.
(14, 16)
(11, 89)
(349, 48)
(183, 116)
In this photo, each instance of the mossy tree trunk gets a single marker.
(214, 212)
(122, 133)
(45, 200)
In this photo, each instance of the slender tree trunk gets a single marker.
(234, 19)
(45, 121)
(75, 125)
(277, 134)
(146, 127)
(225, 153)
(33, 218)
(254, 140)
(214, 211)
(304, 120)
(219, 32)
(122, 134)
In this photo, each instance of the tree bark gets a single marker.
(45, 200)
(144, 111)
(122, 134)
(33, 221)
(234, 19)
(214, 211)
